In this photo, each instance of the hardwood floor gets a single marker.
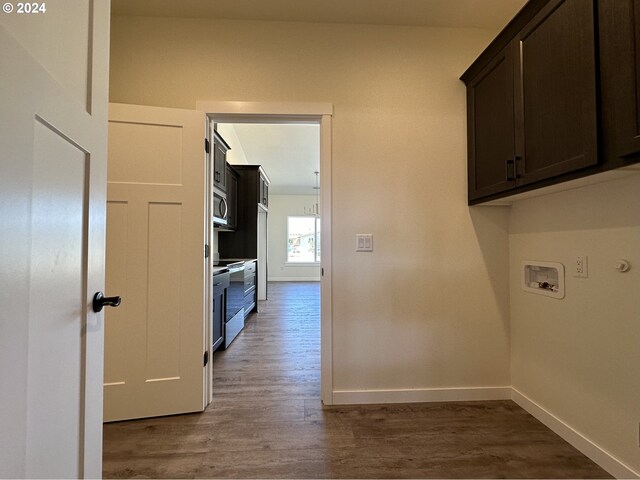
(267, 421)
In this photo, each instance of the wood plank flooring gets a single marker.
(267, 421)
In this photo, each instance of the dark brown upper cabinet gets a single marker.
(555, 92)
(620, 78)
(232, 198)
(491, 128)
(220, 148)
(531, 107)
(555, 97)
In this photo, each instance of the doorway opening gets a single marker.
(313, 200)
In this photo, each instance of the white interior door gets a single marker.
(53, 128)
(156, 233)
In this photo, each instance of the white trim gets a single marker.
(326, 262)
(295, 279)
(600, 456)
(301, 264)
(346, 397)
(287, 112)
(269, 109)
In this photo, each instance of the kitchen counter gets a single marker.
(217, 269)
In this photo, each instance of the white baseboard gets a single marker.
(346, 397)
(603, 458)
(294, 279)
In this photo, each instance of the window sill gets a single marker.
(302, 264)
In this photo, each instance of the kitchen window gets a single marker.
(303, 239)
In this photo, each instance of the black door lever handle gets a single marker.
(100, 301)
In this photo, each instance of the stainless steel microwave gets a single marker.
(220, 208)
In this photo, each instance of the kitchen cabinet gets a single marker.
(219, 291)
(554, 97)
(620, 78)
(232, 198)
(532, 111)
(220, 149)
(249, 240)
(491, 127)
(555, 92)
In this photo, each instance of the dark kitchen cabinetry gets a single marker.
(620, 78)
(243, 243)
(491, 127)
(536, 97)
(232, 198)
(220, 149)
(532, 104)
(249, 240)
(555, 92)
(219, 292)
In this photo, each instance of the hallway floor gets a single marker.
(267, 421)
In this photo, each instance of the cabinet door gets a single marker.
(490, 128)
(620, 76)
(232, 199)
(556, 122)
(219, 167)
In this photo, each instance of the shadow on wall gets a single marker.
(491, 225)
(613, 204)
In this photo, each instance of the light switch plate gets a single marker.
(364, 242)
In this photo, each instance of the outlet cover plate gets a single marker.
(581, 267)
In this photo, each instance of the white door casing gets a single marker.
(291, 112)
(156, 232)
(53, 126)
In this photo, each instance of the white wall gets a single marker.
(236, 155)
(579, 357)
(429, 308)
(280, 207)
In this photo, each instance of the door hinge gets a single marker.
(206, 145)
(321, 272)
(206, 251)
(206, 358)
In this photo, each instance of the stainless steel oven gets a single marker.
(220, 208)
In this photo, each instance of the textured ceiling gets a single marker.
(493, 14)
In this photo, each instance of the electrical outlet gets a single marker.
(581, 267)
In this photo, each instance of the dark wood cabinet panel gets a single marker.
(232, 198)
(490, 123)
(220, 148)
(555, 92)
(619, 36)
(574, 87)
(243, 243)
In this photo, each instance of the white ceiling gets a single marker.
(289, 154)
(492, 14)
